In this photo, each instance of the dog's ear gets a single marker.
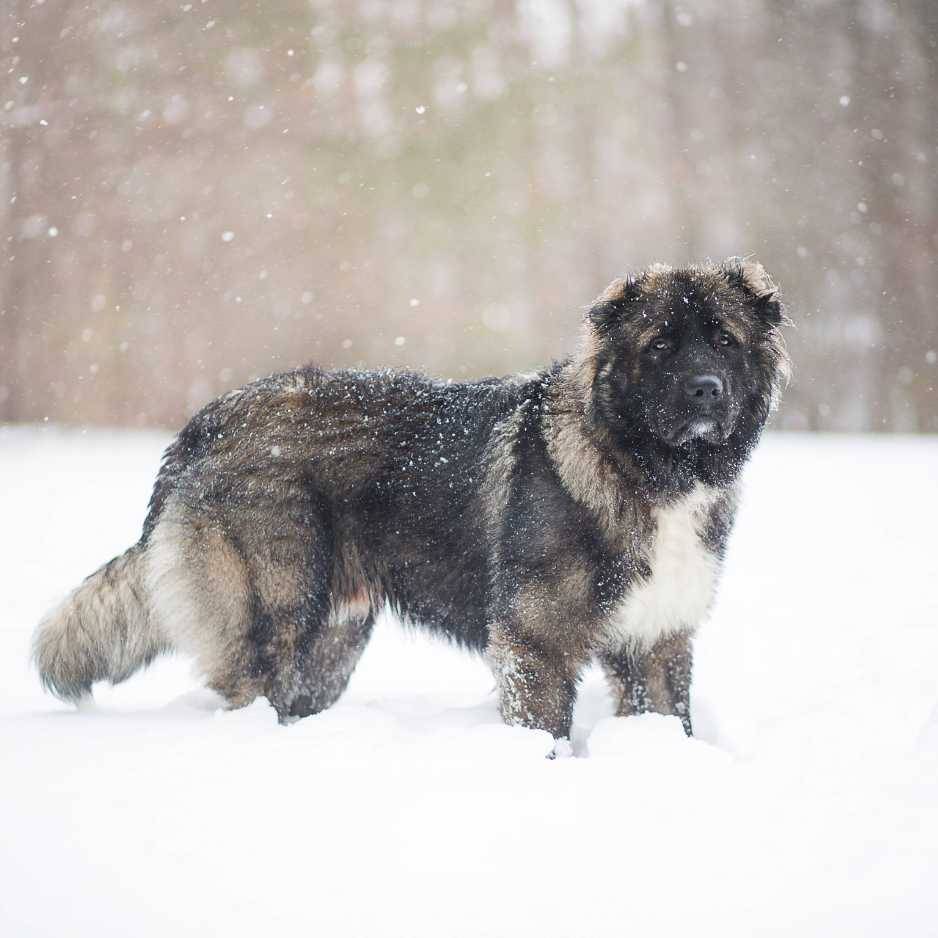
(608, 309)
(753, 279)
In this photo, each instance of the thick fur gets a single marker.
(580, 513)
(103, 631)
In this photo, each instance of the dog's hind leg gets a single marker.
(245, 592)
(292, 626)
(326, 661)
(310, 621)
(202, 598)
(250, 595)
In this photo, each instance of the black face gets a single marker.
(688, 379)
(691, 358)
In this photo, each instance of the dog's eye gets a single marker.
(724, 338)
(661, 345)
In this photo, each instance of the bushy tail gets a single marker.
(103, 631)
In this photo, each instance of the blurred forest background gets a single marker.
(196, 193)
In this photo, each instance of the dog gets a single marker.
(579, 514)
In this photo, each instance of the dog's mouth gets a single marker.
(708, 429)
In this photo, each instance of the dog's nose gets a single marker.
(704, 389)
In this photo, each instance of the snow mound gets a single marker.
(805, 805)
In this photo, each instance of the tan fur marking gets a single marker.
(358, 605)
(652, 281)
(615, 291)
(656, 679)
(588, 472)
(757, 277)
(199, 587)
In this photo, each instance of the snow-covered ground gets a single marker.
(806, 806)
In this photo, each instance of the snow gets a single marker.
(806, 805)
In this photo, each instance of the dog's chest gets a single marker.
(680, 586)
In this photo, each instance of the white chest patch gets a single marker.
(678, 593)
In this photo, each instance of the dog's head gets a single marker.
(690, 356)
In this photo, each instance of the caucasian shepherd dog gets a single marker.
(546, 521)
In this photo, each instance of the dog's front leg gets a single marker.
(536, 683)
(656, 678)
